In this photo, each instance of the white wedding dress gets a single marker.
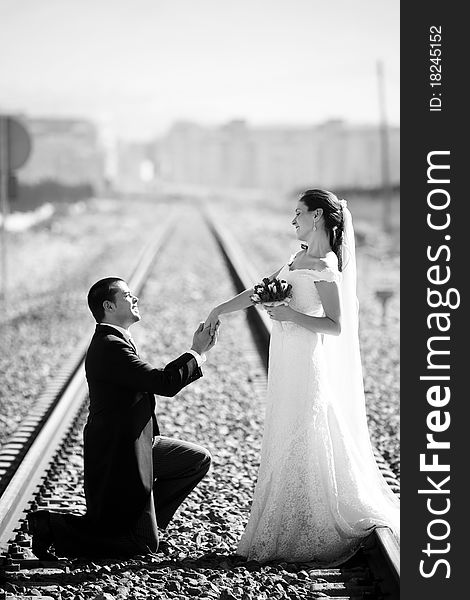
(316, 496)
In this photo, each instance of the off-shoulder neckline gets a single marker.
(326, 268)
(309, 270)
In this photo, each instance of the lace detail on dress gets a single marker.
(326, 274)
(309, 504)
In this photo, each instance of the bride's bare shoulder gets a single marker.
(330, 262)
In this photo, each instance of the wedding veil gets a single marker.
(344, 369)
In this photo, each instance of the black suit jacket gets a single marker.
(121, 424)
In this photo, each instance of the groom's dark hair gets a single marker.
(102, 290)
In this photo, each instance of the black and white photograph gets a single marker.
(208, 324)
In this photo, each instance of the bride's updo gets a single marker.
(332, 214)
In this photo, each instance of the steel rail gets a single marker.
(68, 397)
(244, 278)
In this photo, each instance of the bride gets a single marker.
(319, 491)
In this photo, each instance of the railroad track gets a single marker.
(382, 547)
(31, 462)
(28, 453)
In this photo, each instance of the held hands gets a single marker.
(203, 341)
(212, 322)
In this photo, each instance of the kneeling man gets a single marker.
(135, 478)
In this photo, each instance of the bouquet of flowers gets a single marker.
(276, 292)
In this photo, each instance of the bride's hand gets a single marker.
(212, 322)
(280, 313)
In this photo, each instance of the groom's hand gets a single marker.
(214, 337)
(203, 340)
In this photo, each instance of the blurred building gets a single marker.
(333, 154)
(67, 151)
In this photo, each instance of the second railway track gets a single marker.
(384, 549)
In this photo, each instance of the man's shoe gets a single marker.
(40, 529)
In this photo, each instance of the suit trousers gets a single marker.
(178, 467)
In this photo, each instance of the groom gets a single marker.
(135, 478)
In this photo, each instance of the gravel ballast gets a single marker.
(223, 412)
(50, 269)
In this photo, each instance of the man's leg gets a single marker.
(74, 535)
(178, 467)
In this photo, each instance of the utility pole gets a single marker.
(15, 147)
(4, 202)
(384, 152)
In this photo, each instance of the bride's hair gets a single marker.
(332, 214)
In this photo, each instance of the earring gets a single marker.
(314, 226)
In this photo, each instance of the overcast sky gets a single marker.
(138, 65)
